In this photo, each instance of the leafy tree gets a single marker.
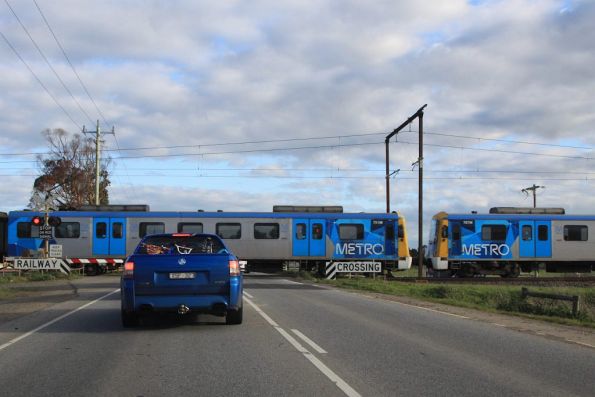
(67, 173)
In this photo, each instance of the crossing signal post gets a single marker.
(54, 221)
(46, 224)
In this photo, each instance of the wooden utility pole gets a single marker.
(534, 190)
(97, 133)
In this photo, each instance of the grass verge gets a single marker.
(24, 277)
(493, 298)
(10, 283)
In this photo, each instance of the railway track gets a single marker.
(538, 281)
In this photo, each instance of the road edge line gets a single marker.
(29, 333)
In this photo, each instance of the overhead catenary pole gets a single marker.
(387, 156)
(534, 190)
(97, 133)
(420, 215)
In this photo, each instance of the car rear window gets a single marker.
(180, 245)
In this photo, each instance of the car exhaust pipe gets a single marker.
(183, 309)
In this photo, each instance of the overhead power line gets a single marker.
(153, 175)
(328, 147)
(200, 146)
(339, 170)
(48, 62)
(70, 63)
(508, 141)
(39, 81)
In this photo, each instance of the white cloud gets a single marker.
(201, 73)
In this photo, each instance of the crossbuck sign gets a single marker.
(332, 268)
(41, 264)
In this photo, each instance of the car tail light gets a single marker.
(234, 268)
(128, 270)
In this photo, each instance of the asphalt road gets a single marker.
(296, 339)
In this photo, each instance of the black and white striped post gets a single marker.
(331, 270)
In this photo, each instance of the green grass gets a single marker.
(493, 298)
(12, 278)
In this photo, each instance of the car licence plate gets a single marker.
(181, 276)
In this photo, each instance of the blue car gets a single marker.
(181, 273)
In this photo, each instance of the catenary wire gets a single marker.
(40, 82)
(70, 63)
(48, 62)
(320, 138)
(331, 146)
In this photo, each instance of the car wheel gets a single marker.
(234, 316)
(129, 319)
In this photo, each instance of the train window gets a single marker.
(146, 228)
(542, 233)
(101, 230)
(300, 231)
(117, 230)
(390, 231)
(576, 233)
(493, 233)
(353, 231)
(68, 230)
(26, 230)
(456, 232)
(527, 233)
(189, 227)
(266, 231)
(317, 231)
(229, 230)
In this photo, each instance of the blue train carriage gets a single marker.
(317, 238)
(509, 240)
(101, 237)
(95, 238)
(3, 236)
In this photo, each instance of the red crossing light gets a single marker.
(38, 221)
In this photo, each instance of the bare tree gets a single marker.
(67, 173)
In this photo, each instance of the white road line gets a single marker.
(341, 384)
(263, 314)
(580, 343)
(292, 282)
(309, 341)
(15, 340)
(433, 310)
(248, 295)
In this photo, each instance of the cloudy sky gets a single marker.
(238, 105)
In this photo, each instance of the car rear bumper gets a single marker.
(203, 303)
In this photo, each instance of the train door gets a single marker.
(543, 243)
(527, 239)
(308, 237)
(109, 236)
(317, 240)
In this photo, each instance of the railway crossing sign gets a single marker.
(332, 268)
(41, 264)
(45, 232)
